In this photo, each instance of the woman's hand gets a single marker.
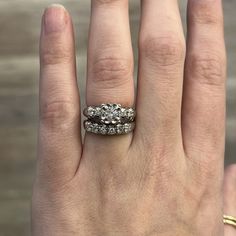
(166, 177)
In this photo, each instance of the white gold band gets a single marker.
(117, 129)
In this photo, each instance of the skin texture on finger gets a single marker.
(205, 74)
(203, 109)
(203, 113)
(161, 63)
(110, 66)
(59, 124)
(230, 197)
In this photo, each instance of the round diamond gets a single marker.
(127, 128)
(91, 112)
(119, 129)
(97, 111)
(123, 112)
(130, 113)
(88, 126)
(110, 113)
(103, 129)
(95, 128)
(111, 130)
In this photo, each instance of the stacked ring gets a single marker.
(109, 119)
(118, 129)
(229, 220)
(110, 114)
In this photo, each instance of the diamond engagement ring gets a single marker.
(110, 114)
(109, 119)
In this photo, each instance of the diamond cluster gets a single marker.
(103, 129)
(109, 119)
(110, 114)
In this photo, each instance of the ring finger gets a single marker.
(229, 198)
(110, 64)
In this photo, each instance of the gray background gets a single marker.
(19, 32)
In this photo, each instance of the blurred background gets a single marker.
(19, 33)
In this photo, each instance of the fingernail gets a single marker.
(55, 18)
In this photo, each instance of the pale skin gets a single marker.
(166, 178)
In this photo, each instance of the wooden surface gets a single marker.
(19, 31)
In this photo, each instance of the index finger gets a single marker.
(59, 123)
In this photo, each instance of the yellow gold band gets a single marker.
(229, 220)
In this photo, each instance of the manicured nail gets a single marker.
(55, 18)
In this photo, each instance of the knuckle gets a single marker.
(209, 69)
(58, 54)
(163, 50)
(58, 115)
(204, 13)
(206, 18)
(110, 72)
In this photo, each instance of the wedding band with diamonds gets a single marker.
(110, 114)
(114, 129)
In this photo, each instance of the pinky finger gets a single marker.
(230, 198)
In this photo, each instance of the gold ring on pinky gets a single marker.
(229, 220)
